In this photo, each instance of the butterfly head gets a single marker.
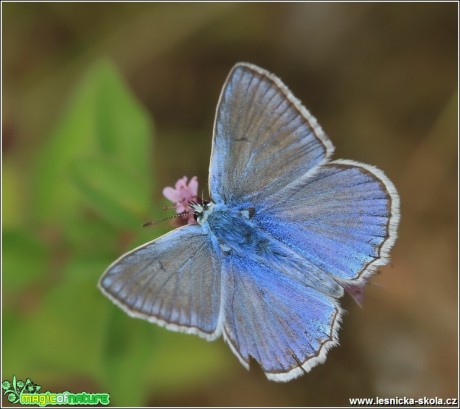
(201, 211)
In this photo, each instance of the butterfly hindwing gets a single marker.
(173, 281)
(285, 325)
(342, 219)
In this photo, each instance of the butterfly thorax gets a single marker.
(232, 231)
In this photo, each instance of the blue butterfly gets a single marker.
(285, 231)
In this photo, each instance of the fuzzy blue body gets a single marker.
(239, 238)
(232, 232)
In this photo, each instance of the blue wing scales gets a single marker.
(342, 219)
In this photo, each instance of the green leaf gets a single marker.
(89, 236)
(122, 124)
(103, 117)
(14, 188)
(113, 190)
(24, 259)
(69, 322)
(129, 344)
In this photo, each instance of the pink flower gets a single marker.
(182, 194)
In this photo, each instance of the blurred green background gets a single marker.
(105, 104)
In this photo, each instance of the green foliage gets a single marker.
(24, 258)
(103, 119)
(92, 188)
(107, 186)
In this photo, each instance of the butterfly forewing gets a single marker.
(174, 281)
(263, 138)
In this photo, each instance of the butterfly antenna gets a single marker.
(154, 223)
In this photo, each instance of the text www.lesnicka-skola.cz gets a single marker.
(404, 401)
